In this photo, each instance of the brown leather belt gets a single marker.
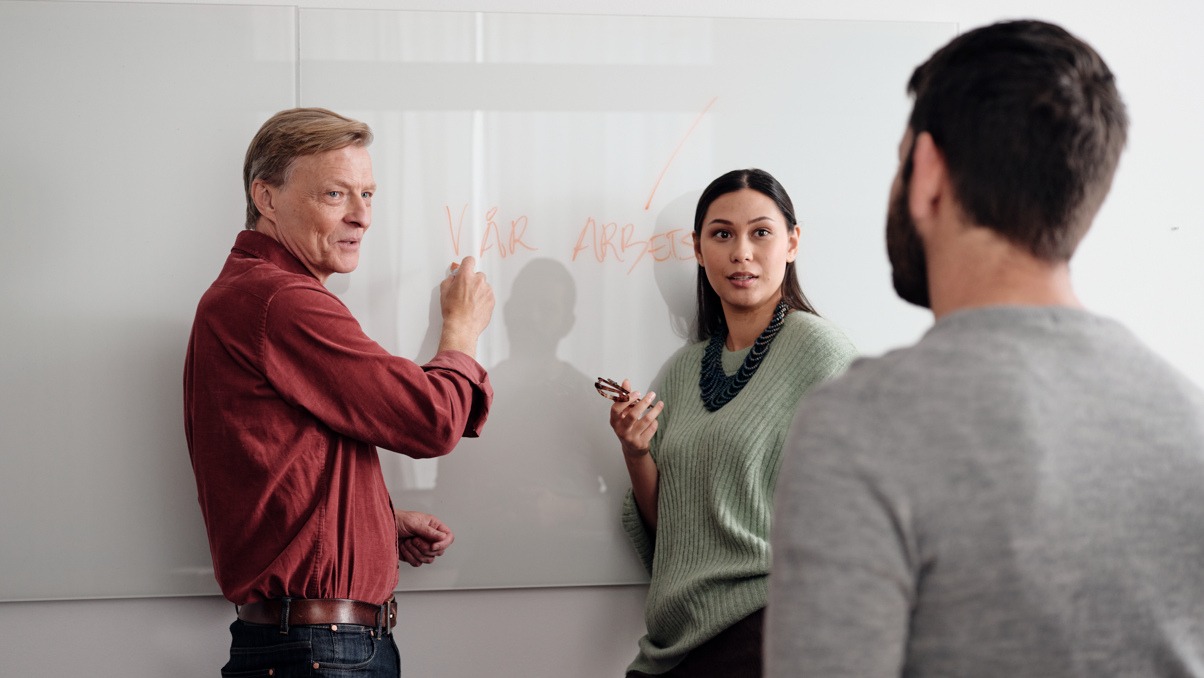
(320, 612)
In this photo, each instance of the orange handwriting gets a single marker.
(648, 203)
(493, 238)
(611, 241)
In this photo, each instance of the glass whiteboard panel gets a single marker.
(122, 143)
(567, 153)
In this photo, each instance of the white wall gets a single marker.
(579, 632)
(1140, 265)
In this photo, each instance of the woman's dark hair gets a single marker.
(710, 311)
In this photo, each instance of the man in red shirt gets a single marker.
(286, 401)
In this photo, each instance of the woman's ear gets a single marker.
(793, 237)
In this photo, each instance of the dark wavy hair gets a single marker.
(711, 320)
(1031, 126)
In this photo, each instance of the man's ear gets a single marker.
(264, 197)
(930, 190)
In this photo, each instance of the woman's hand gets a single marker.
(634, 421)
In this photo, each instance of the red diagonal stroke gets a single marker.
(681, 143)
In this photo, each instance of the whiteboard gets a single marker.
(124, 129)
(566, 152)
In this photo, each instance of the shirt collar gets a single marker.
(266, 247)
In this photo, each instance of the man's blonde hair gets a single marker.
(289, 135)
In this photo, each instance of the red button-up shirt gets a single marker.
(285, 402)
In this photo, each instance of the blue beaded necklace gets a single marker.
(717, 387)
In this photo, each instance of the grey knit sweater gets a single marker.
(709, 558)
(1019, 494)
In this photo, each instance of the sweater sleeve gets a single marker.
(641, 539)
(830, 351)
(844, 553)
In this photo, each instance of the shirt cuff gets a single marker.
(477, 379)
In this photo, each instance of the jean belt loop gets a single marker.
(382, 620)
(284, 605)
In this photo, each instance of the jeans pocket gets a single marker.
(253, 673)
(280, 660)
(343, 652)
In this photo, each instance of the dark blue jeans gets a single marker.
(345, 650)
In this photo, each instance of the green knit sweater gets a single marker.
(709, 558)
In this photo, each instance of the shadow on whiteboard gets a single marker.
(536, 499)
(677, 284)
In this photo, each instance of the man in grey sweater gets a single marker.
(1021, 493)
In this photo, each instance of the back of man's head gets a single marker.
(290, 134)
(1031, 126)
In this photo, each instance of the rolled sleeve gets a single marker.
(479, 391)
(317, 357)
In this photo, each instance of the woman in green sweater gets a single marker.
(703, 458)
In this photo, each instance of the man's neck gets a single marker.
(980, 268)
